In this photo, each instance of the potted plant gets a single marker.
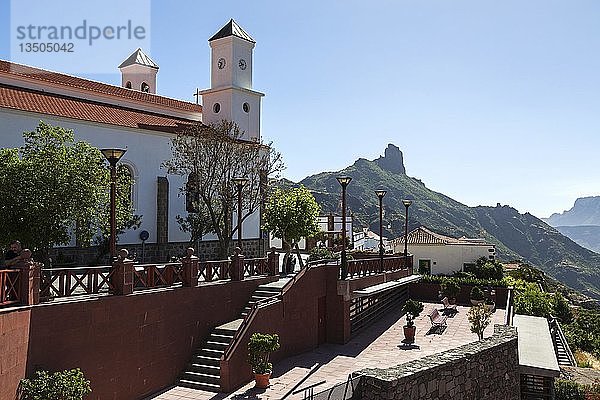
(259, 351)
(412, 309)
(450, 289)
(477, 296)
(490, 305)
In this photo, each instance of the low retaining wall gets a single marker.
(127, 346)
(429, 292)
(483, 370)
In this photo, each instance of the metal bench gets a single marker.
(437, 319)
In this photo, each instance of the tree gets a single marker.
(291, 214)
(54, 187)
(210, 156)
(480, 317)
(531, 301)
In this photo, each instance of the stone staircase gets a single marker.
(203, 372)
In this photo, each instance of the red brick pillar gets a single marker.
(237, 265)
(30, 280)
(122, 277)
(190, 268)
(273, 262)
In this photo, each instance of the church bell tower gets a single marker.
(231, 96)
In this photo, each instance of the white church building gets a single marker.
(135, 117)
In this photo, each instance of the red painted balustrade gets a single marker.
(370, 266)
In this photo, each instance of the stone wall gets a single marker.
(153, 252)
(486, 369)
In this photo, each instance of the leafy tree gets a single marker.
(568, 390)
(62, 385)
(486, 269)
(561, 308)
(291, 214)
(584, 332)
(53, 187)
(532, 301)
(480, 317)
(211, 156)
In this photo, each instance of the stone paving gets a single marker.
(379, 346)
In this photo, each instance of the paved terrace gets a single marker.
(379, 346)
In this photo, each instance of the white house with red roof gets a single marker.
(135, 116)
(438, 254)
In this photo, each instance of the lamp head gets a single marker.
(240, 181)
(407, 203)
(380, 193)
(344, 180)
(113, 155)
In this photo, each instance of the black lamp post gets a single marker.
(380, 193)
(407, 204)
(239, 182)
(113, 156)
(344, 181)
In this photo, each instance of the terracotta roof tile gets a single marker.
(46, 103)
(9, 68)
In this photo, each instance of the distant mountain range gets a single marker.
(517, 236)
(581, 223)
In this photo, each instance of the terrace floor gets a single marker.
(378, 346)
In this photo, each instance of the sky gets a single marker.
(490, 101)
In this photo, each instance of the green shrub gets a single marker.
(568, 390)
(320, 253)
(62, 385)
(450, 288)
(477, 293)
(467, 281)
(480, 317)
(561, 308)
(486, 269)
(532, 301)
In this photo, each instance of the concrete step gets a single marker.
(206, 360)
(200, 377)
(215, 345)
(209, 387)
(211, 353)
(205, 369)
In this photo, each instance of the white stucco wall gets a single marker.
(146, 151)
(446, 259)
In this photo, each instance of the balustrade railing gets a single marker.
(256, 266)
(149, 276)
(10, 287)
(18, 285)
(65, 282)
(209, 271)
(370, 266)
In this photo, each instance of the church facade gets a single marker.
(135, 117)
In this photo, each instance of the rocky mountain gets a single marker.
(587, 236)
(585, 211)
(516, 235)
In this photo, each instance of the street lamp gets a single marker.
(380, 193)
(239, 182)
(113, 156)
(407, 204)
(344, 181)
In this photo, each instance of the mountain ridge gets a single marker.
(516, 235)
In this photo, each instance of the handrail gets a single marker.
(241, 331)
(294, 279)
(565, 344)
(509, 306)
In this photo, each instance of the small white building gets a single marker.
(367, 240)
(437, 254)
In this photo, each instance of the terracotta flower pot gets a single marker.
(262, 380)
(409, 333)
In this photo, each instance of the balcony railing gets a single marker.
(370, 266)
(10, 287)
(31, 283)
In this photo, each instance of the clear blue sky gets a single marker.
(490, 101)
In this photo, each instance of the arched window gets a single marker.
(145, 88)
(128, 85)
